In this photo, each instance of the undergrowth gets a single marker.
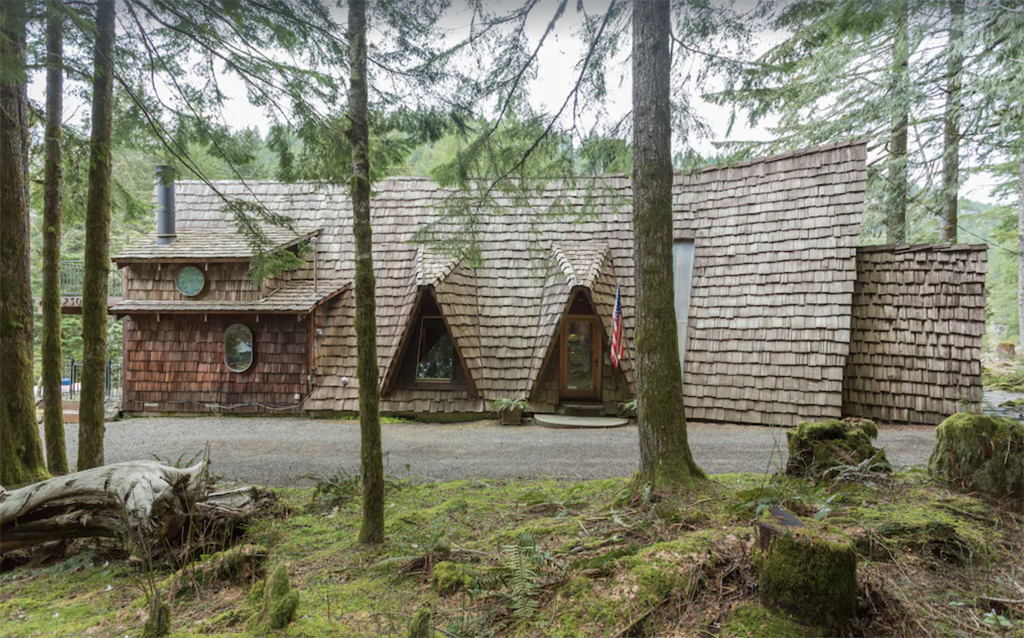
(556, 558)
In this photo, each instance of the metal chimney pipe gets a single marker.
(165, 205)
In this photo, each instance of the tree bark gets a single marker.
(97, 245)
(1020, 245)
(53, 410)
(372, 458)
(897, 213)
(951, 128)
(21, 451)
(665, 458)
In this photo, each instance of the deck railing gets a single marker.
(71, 379)
(72, 274)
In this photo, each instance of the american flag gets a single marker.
(617, 329)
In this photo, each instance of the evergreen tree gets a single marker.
(845, 71)
(53, 411)
(951, 127)
(665, 458)
(372, 461)
(999, 133)
(97, 245)
(898, 185)
(21, 451)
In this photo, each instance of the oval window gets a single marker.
(238, 349)
(190, 281)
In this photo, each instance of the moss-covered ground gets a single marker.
(561, 559)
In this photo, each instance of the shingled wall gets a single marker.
(774, 268)
(223, 282)
(918, 321)
(175, 363)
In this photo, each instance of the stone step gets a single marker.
(561, 421)
(580, 409)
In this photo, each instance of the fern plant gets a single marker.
(501, 406)
(428, 547)
(520, 563)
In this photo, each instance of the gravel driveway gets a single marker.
(278, 451)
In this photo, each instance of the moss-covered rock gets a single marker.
(980, 453)
(820, 446)
(159, 622)
(449, 577)
(279, 606)
(810, 574)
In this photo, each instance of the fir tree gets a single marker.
(21, 460)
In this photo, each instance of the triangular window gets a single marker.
(429, 356)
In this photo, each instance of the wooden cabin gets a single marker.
(781, 316)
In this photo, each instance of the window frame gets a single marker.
(201, 274)
(252, 340)
(419, 352)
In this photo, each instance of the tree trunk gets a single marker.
(21, 451)
(951, 128)
(897, 213)
(372, 458)
(1020, 246)
(97, 246)
(665, 459)
(53, 411)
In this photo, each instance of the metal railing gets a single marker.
(72, 274)
(71, 379)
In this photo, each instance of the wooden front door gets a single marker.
(581, 357)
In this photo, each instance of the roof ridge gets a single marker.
(764, 159)
(908, 248)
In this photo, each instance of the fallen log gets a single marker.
(142, 501)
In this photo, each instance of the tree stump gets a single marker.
(816, 448)
(808, 573)
(421, 625)
(279, 606)
(980, 453)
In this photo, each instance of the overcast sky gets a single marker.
(556, 75)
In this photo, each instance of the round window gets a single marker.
(238, 348)
(190, 281)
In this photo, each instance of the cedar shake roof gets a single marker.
(209, 245)
(292, 297)
(773, 279)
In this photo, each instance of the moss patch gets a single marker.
(751, 620)
(980, 453)
(449, 577)
(603, 559)
(818, 447)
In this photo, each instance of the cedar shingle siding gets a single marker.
(919, 316)
(770, 314)
(176, 364)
